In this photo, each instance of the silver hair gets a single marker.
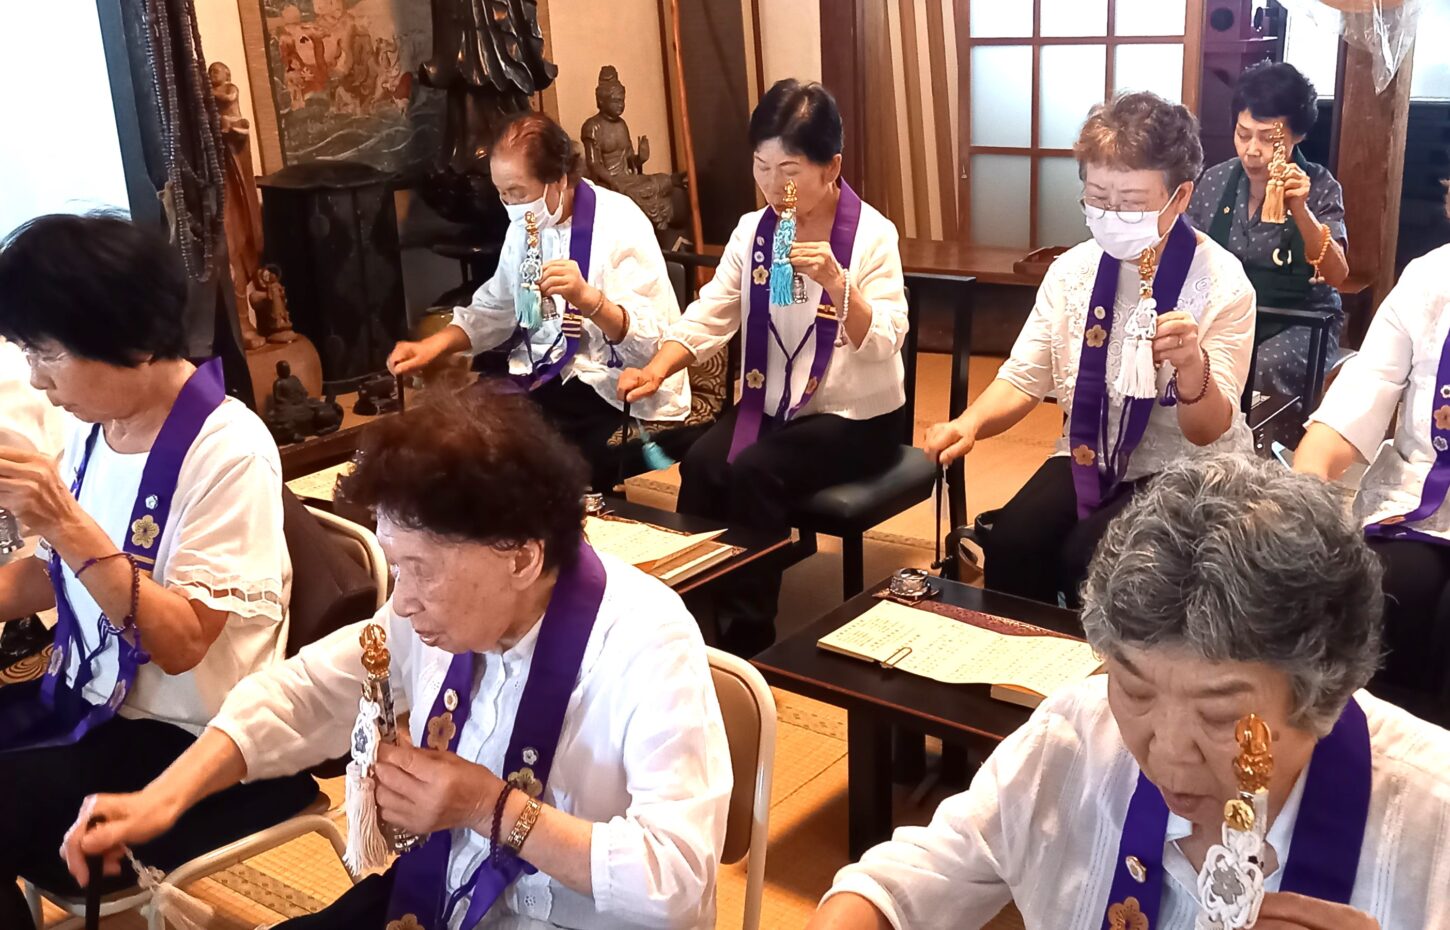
(1236, 559)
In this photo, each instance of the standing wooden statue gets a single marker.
(261, 301)
(242, 215)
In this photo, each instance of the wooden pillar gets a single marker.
(1371, 165)
(843, 72)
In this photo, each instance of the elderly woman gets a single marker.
(163, 554)
(29, 423)
(575, 301)
(1295, 265)
(823, 379)
(618, 797)
(1401, 376)
(1227, 587)
(1131, 406)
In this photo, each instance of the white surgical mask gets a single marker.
(539, 207)
(1124, 238)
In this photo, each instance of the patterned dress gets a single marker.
(1282, 358)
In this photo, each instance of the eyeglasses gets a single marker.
(1094, 212)
(44, 359)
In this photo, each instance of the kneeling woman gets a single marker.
(164, 555)
(815, 281)
(1401, 375)
(522, 655)
(581, 293)
(1228, 587)
(1144, 335)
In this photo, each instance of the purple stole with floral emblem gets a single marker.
(420, 898)
(1324, 849)
(758, 327)
(1098, 466)
(61, 715)
(1437, 482)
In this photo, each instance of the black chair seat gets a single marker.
(847, 508)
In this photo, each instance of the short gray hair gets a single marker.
(1236, 559)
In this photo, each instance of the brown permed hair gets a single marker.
(1142, 131)
(546, 147)
(481, 467)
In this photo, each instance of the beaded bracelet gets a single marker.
(98, 560)
(845, 307)
(1203, 390)
(496, 848)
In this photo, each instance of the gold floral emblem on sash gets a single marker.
(144, 532)
(1084, 455)
(525, 781)
(1393, 521)
(441, 731)
(826, 311)
(406, 922)
(1127, 916)
(811, 385)
(1442, 417)
(760, 275)
(754, 379)
(1096, 337)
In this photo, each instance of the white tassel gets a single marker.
(367, 848)
(175, 907)
(1137, 375)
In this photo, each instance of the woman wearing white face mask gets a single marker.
(1143, 334)
(590, 297)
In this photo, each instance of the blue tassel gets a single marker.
(654, 456)
(782, 273)
(528, 301)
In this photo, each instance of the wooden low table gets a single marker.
(877, 699)
(759, 549)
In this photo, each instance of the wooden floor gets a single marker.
(808, 805)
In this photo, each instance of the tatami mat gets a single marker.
(809, 811)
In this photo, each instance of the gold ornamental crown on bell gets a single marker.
(375, 657)
(1254, 764)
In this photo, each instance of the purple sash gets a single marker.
(1098, 467)
(420, 876)
(581, 242)
(1328, 834)
(1438, 481)
(62, 716)
(758, 324)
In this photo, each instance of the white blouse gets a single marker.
(625, 263)
(223, 546)
(1045, 357)
(861, 382)
(1397, 368)
(1041, 824)
(27, 419)
(642, 754)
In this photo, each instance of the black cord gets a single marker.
(95, 865)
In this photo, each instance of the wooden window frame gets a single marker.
(1191, 40)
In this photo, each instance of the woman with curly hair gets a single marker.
(1143, 334)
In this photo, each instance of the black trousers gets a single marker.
(587, 420)
(1038, 547)
(364, 906)
(788, 462)
(41, 791)
(1417, 625)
